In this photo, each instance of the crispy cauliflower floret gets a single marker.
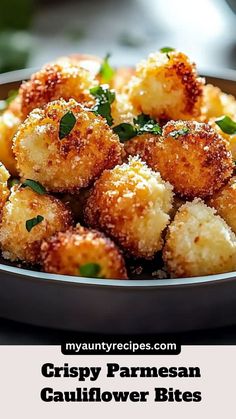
(82, 252)
(64, 79)
(4, 191)
(193, 158)
(48, 213)
(131, 203)
(9, 124)
(224, 201)
(69, 163)
(199, 242)
(216, 103)
(146, 146)
(166, 86)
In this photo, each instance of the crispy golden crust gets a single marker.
(199, 242)
(224, 201)
(9, 124)
(4, 190)
(196, 163)
(131, 204)
(64, 253)
(146, 146)
(166, 87)
(24, 204)
(73, 162)
(54, 81)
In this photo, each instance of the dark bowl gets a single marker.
(114, 306)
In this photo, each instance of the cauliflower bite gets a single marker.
(82, 252)
(64, 79)
(146, 146)
(193, 158)
(4, 191)
(9, 124)
(199, 242)
(224, 201)
(69, 163)
(166, 86)
(216, 104)
(131, 203)
(27, 219)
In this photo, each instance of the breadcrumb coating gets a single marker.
(193, 158)
(9, 124)
(131, 203)
(65, 253)
(4, 190)
(166, 86)
(17, 243)
(199, 242)
(70, 163)
(224, 201)
(64, 79)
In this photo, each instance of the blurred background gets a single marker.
(33, 32)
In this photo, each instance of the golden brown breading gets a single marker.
(65, 253)
(55, 81)
(24, 204)
(224, 201)
(131, 203)
(166, 86)
(4, 190)
(146, 146)
(9, 124)
(73, 162)
(199, 242)
(193, 158)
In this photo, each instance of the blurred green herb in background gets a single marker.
(15, 39)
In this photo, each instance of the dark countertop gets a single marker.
(13, 333)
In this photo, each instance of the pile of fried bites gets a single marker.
(101, 167)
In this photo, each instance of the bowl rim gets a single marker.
(19, 75)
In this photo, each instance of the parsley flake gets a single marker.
(67, 123)
(125, 131)
(29, 224)
(226, 124)
(104, 98)
(166, 49)
(177, 132)
(90, 270)
(106, 71)
(35, 186)
(142, 124)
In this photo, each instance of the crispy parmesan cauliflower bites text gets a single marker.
(27, 219)
(83, 252)
(69, 163)
(199, 242)
(166, 86)
(131, 203)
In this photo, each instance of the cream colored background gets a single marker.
(21, 382)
